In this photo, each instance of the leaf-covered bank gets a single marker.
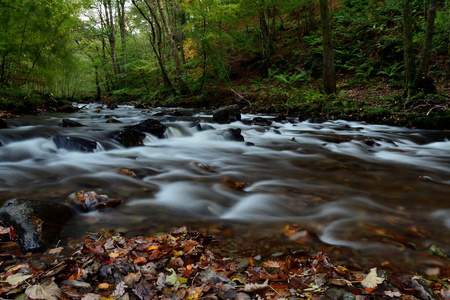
(186, 264)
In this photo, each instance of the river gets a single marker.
(378, 190)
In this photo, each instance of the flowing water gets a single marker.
(377, 189)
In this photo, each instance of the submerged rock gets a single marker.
(233, 135)
(261, 121)
(227, 114)
(129, 137)
(71, 123)
(3, 124)
(36, 222)
(74, 143)
(134, 135)
(151, 126)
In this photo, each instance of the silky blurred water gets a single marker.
(373, 188)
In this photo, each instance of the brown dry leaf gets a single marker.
(131, 278)
(237, 185)
(55, 251)
(272, 264)
(47, 290)
(140, 260)
(194, 293)
(251, 287)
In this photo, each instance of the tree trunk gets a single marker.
(408, 49)
(155, 41)
(173, 44)
(329, 81)
(111, 34)
(265, 40)
(424, 82)
(21, 47)
(2, 73)
(121, 15)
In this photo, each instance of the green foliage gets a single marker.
(291, 80)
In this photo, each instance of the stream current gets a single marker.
(379, 190)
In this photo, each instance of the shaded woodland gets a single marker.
(352, 59)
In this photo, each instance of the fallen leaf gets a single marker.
(372, 280)
(17, 279)
(140, 260)
(120, 290)
(393, 294)
(103, 286)
(251, 287)
(47, 290)
(55, 251)
(172, 279)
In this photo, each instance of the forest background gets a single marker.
(380, 61)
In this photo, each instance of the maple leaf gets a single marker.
(372, 280)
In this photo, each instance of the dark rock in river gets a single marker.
(233, 135)
(71, 123)
(36, 222)
(112, 119)
(261, 121)
(316, 120)
(227, 114)
(3, 124)
(64, 106)
(280, 119)
(196, 123)
(151, 126)
(74, 143)
(129, 137)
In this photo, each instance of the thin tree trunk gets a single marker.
(408, 49)
(173, 44)
(265, 40)
(428, 43)
(121, 14)
(329, 81)
(2, 75)
(154, 42)
(111, 34)
(21, 47)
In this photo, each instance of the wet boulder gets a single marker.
(227, 114)
(233, 135)
(37, 223)
(70, 123)
(280, 119)
(196, 124)
(3, 124)
(316, 120)
(129, 137)
(74, 143)
(261, 121)
(151, 126)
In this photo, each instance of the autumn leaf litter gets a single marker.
(186, 264)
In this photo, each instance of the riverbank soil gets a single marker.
(185, 264)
